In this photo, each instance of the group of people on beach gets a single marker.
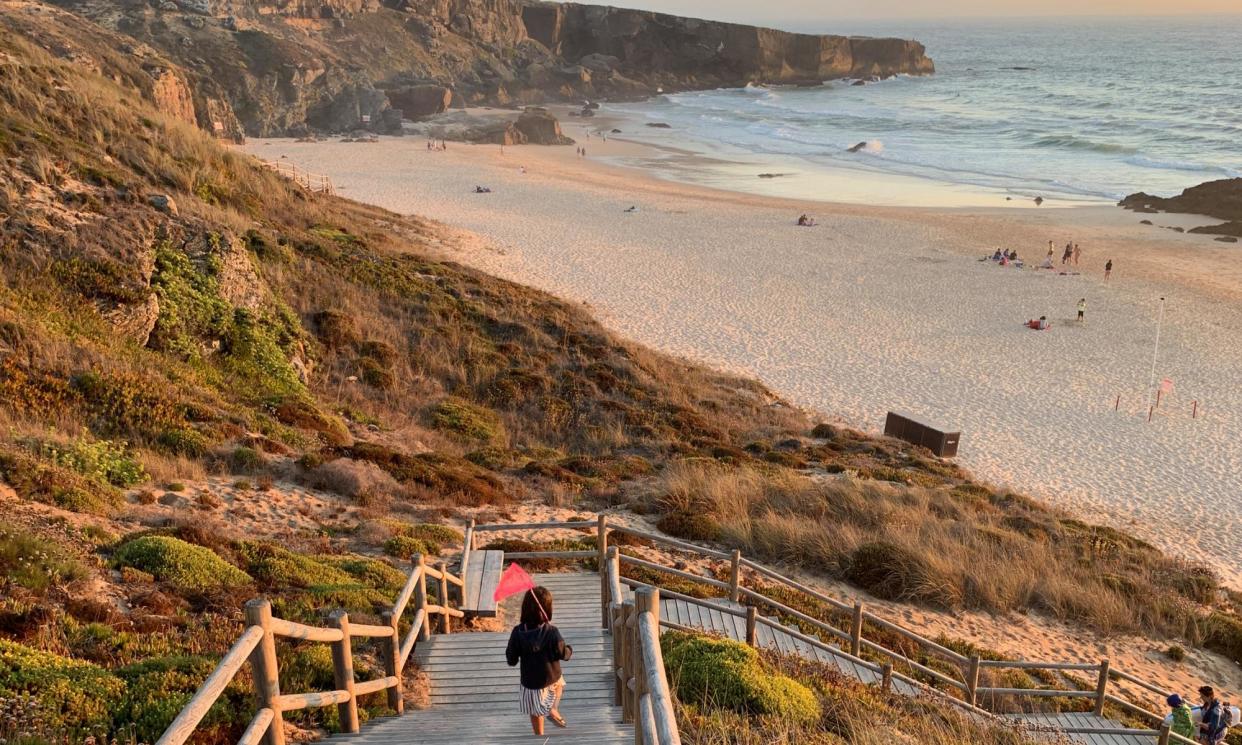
(1007, 257)
(581, 152)
(1070, 257)
(1207, 723)
(436, 145)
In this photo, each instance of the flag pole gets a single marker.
(1151, 383)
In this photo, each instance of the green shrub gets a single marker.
(465, 419)
(246, 460)
(102, 461)
(371, 572)
(404, 546)
(70, 696)
(277, 567)
(157, 690)
(433, 535)
(183, 441)
(690, 525)
(724, 674)
(1223, 634)
(41, 481)
(35, 563)
(184, 566)
(1176, 653)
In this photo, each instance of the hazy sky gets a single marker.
(774, 11)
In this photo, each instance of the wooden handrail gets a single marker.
(193, 712)
(583, 554)
(684, 546)
(568, 525)
(627, 559)
(257, 728)
(293, 630)
(782, 608)
(1030, 665)
(257, 644)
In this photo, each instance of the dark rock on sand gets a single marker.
(859, 82)
(659, 125)
(1219, 199)
(1039, 200)
(857, 147)
(1226, 239)
(541, 128)
(1175, 229)
(1146, 222)
(417, 101)
(616, 131)
(772, 175)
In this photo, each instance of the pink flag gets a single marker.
(513, 581)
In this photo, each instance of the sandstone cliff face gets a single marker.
(288, 66)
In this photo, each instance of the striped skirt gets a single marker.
(539, 702)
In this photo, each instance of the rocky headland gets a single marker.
(1219, 199)
(272, 68)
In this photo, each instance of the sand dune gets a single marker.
(879, 309)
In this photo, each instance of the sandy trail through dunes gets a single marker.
(882, 308)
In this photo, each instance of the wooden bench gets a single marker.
(483, 570)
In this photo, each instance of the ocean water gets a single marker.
(1082, 110)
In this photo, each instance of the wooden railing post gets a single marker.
(886, 677)
(628, 703)
(972, 680)
(343, 670)
(467, 545)
(601, 543)
(266, 672)
(735, 575)
(1101, 688)
(856, 629)
(420, 597)
(444, 601)
(646, 600)
(618, 640)
(390, 650)
(1163, 739)
(752, 626)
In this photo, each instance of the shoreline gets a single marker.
(879, 307)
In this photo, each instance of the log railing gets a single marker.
(867, 653)
(316, 182)
(257, 644)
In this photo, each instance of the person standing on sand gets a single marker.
(539, 647)
(1069, 251)
(1108, 269)
(1183, 722)
(1082, 310)
(1077, 254)
(1051, 251)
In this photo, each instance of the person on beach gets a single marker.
(1183, 721)
(1051, 251)
(1108, 269)
(995, 257)
(539, 647)
(1069, 251)
(1214, 725)
(1077, 254)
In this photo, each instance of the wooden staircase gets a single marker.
(474, 693)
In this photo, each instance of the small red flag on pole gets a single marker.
(513, 581)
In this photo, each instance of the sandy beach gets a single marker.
(878, 309)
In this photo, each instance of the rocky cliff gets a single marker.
(290, 66)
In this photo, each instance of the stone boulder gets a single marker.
(417, 101)
(1220, 199)
(541, 128)
(163, 203)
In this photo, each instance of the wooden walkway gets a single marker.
(1061, 722)
(689, 614)
(474, 693)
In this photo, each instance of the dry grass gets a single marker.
(951, 547)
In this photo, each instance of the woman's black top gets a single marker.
(540, 649)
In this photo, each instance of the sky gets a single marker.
(813, 11)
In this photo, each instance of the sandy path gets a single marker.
(881, 309)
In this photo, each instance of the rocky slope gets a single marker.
(287, 67)
(1219, 199)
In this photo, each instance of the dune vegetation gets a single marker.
(172, 311)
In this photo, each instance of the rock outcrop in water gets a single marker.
(288, 66)
(1219, 199)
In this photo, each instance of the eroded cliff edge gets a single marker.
(290, 66)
